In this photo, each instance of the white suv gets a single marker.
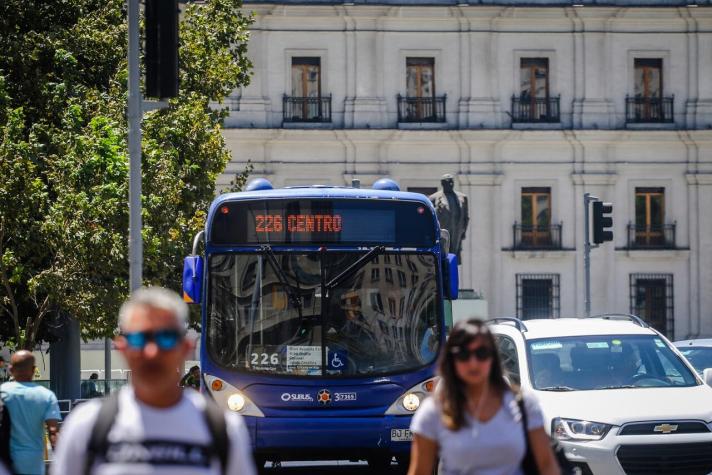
(614, 392)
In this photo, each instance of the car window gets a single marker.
(605, 362)
(510, 360)
(700, 357)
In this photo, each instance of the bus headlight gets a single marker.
(228, 396)
(410, 400)
(236, 402)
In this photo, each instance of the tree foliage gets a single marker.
(64, 162)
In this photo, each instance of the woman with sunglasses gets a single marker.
(473, 422)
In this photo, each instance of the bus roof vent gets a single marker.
(386, 184)
(259, 184)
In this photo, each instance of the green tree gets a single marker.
(63, 135)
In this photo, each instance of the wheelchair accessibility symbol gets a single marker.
(337, 360)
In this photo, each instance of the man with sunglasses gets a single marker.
(153, 426)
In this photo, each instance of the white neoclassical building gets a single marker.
(531, 104)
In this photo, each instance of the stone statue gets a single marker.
(452, 212)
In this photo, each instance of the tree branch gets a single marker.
(14, 314)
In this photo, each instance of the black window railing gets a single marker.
(649, 109)
(528, 237)
(421, 109)
(651, 237)
(535, 109)
(306, 109)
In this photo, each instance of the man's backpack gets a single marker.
(98, 440)
(5, 434)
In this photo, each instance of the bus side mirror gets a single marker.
(451, 282)
(192, 279)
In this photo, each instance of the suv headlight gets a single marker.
(228, 396)
(574, 429)
(411, 400)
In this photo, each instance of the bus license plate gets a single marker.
(401, 435)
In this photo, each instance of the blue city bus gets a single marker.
(322, 316)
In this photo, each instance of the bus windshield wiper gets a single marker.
(353, 268)
(557, 388)
(293, 297)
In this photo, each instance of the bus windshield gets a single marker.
(323, 313)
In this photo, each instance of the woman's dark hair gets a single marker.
(451, 390)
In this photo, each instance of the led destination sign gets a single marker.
(298, 223)
(324, 221)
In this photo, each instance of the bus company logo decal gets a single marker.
(298, 397)
(323, 396)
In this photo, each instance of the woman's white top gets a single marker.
(495, 447)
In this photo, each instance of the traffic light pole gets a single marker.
(587, 199)
(134, 119)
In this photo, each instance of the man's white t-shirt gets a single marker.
(177, 439)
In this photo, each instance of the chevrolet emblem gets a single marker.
(665, 428)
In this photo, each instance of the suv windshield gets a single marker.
(322, 313)
(605, 362)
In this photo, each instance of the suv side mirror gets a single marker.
(707, 376)
(192, 279)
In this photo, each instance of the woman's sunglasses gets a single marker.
(165, 340)
(482, 353)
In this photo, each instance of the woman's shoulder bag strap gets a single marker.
(529, 466)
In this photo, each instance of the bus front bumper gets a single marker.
(314, 438)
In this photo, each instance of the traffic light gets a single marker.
(161, 48)
(602, 222)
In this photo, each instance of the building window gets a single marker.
(648, 103)
(375, 274)
(420, 77)
(534, 103)
(536, 217)
(420, 103)
(648, 77)
(650, 230)
(651, 298)
(306, 104)
(389, 275)
(538, 296)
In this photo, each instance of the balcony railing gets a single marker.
(649, 109)
(528, 237)
(307, 109)
(651, 237)
(535, 109)
(421, 109)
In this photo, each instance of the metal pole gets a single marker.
(587, 198)
(134, 120)
(134, 114)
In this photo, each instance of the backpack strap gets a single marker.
(98, 439)
(217, 426)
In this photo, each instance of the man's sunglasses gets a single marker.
(482, 353)
(165, 340)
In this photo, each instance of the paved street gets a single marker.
(324, 468)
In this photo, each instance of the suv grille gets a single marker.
(649, 459)
(648, 428)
